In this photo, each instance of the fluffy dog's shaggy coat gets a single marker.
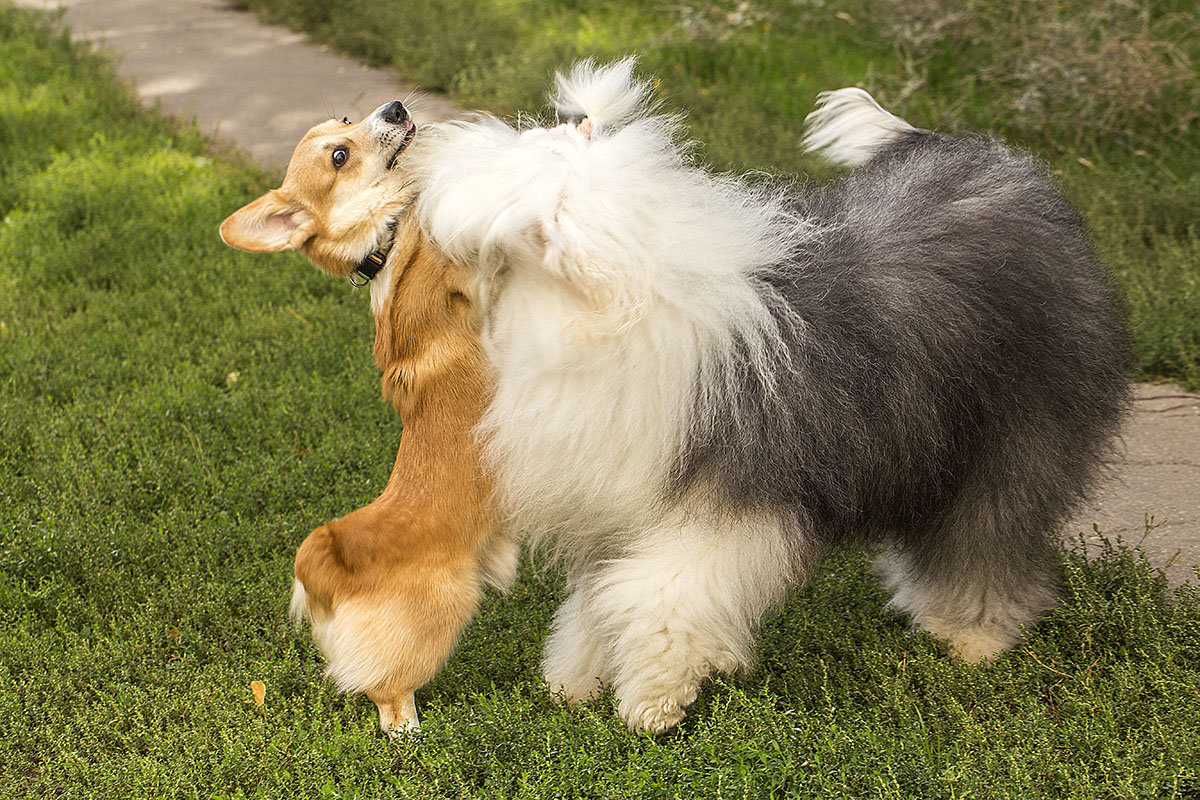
(702, 384)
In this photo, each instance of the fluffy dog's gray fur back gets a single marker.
(961, 363)
(701, 384)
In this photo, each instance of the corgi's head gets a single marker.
(341, 196)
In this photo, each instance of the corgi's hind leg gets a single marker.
(397, 711)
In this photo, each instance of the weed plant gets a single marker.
(175, 417)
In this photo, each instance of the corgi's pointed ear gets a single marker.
(271, 223)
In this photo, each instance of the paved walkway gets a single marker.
(262, 86)
(1153, 495)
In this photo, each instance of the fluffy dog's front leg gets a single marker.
(686, 603)
(575, 663)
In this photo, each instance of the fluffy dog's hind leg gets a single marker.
(978, 578)
(686, 603)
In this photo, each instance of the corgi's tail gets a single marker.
(298, 608)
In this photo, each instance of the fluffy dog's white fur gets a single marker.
(603, 261)
(682, 602)
(575, 245)
(698, 384)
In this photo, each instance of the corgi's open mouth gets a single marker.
(409, 133)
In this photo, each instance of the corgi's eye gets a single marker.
(345, 120)
(340, 156)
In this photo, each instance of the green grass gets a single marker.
(176, 416)
(1113, 82)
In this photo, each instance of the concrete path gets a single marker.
(259, 86)
(263, 86)
(1153, 495)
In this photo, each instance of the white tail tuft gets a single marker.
(848, 126)
(298, 608)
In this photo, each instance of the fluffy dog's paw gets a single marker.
(978, 647)
(655, 716)
(659, 714)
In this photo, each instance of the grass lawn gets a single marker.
(175, 417)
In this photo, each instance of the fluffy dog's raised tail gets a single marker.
(848, 126)
(609, 95)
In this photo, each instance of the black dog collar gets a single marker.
(370, 266)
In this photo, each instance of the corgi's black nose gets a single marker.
(394, 113)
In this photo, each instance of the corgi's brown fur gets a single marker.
(388, 587)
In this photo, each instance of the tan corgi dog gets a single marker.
(389, 587)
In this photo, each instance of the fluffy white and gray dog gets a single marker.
(703, 382)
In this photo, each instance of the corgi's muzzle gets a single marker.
(396, 128)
